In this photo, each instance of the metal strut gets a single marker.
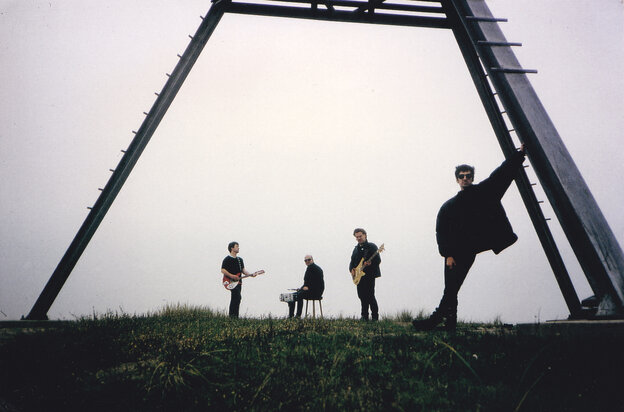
(469, 51)
(127, 162)
(594, 244)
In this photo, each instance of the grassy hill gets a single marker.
(194, 359)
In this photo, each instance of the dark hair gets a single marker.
(359, 229)
(463, 168)
(231, 246)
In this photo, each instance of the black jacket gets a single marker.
(366, 250)
(474, 220)
(313, 279)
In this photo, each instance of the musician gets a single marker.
(366, 286)
(471, 222)
(313, 286)
(232, 267)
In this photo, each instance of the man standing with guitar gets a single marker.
(233, 268)
(366, 253)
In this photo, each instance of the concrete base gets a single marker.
(607, 327)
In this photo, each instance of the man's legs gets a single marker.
(291, 305)
(291, 309)
(235, 300)
(453, 280)
(361, 291)
(447, 309)
(366, 293)
(373, 301)
(301, 295)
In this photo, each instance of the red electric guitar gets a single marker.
(230, 284)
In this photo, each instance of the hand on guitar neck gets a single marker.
(230, 283)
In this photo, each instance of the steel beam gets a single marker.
(127, 162)
(358, 5)
(469, 52)
(332, 14)
(594, 244)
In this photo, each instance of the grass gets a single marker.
(193, 359)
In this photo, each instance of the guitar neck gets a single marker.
(256, 273)
(381, 249)
(372, 257)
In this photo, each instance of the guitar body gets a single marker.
(359, 269)
(359, 272)
(230, 284)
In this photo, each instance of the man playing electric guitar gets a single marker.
(366, 285)
(233, 268)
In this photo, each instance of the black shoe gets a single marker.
(429, 323)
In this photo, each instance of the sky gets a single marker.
(286, 136)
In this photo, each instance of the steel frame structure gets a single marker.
(495, 71)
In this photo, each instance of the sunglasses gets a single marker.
(462, 176)
(307, 260)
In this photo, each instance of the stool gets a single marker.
(314, 307)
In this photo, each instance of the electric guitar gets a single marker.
(230, 284)
(359, 269)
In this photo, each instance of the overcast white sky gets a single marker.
(286, 136)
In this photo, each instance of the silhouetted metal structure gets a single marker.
(488, 55)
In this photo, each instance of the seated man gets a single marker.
(313, 286)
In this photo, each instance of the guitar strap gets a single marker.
(240, 267)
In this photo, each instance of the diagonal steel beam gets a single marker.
(470, 54)
(594, 244)
(127, 162)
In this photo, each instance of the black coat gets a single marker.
(366, 250)
(474, 220)
(313, 279)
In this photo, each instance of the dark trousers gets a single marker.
(453, 279)
(299, 297)
(366, 293)
(235, 300)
